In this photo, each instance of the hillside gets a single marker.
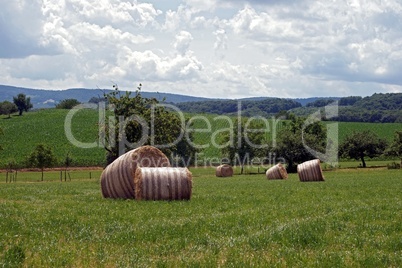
(378, 108)
(23, 133)
(261, 107)
(49, 98)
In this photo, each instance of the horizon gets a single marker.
(194, 96)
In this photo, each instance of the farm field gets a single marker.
(23, 133)
(353, 219)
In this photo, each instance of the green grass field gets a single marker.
(23, 133)
(353, 219)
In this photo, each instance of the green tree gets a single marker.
(23, 103)
(8, 108)
(67, 104)
(142, 121)
(359, 145)
(395, 148)
(292, 138)
(1, 133)
(244, 142)
(42, 157)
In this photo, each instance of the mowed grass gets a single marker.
(353, 219)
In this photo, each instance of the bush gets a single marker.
(67, 104)
(394, 165)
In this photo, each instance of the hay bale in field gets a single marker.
(277, 172)
(117, 180)
(310, 171)
(224, 170)
(164, 183)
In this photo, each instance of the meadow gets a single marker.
(353, 219)
(23, 133)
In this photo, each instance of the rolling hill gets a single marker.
(49, 98)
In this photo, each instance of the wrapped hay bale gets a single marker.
(310, 171)
(117, 180)
(224, 170)
(163, 183)
(277, 172)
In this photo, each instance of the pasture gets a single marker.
(353, 219)
(23, 133)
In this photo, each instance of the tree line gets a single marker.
(378, 108)
(265, 107)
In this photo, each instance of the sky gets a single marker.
(209, 48)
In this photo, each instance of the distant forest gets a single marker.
(378, 108)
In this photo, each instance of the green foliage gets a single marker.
(1, 134)
(350, 220)
(394, 165)
(266, 107)
(7, 108)
(320, 103)
(42, 157)
(142, 121)
(23, 103)
(395, 148)
(378, 108)
(67, 104)
(359, 145)
(243, 142)
(349, 101)
(293, 137)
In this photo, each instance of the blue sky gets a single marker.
(211, 48)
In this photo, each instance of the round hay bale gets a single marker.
(163, 183)
(224, 170)
(277, 172)
(117, 179)
(310, 171)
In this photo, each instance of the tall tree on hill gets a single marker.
(23, 103)
(359, 145)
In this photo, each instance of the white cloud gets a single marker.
(214, 48)
(183, 41)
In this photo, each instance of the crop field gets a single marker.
(23, 133)
(353, 219)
